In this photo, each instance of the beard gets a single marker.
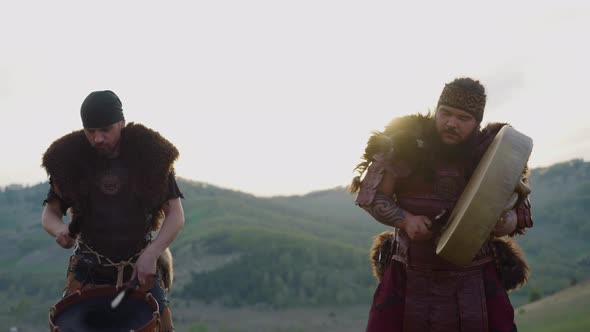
(106, 151)
(446, 151)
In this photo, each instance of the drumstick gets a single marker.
(440, 215)
(119, 298)
(437, 218)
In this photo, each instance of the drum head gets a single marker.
(91, 311)
(485, 196)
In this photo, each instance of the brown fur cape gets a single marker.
(71, 159)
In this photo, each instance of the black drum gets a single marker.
(89, 310)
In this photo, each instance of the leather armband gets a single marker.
(370, 183)
(523, 205)
(374, 176)
(524, 215)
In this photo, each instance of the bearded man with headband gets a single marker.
(117, 182)
(414, 173)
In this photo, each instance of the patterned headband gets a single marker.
(469, 102)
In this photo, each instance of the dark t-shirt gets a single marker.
(115, 224)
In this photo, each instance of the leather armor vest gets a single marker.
(432, 198)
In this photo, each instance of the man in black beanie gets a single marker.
(117, 182)
(102, 112)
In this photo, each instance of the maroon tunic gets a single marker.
(387, 310)
(421, 291)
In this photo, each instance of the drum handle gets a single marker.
(158, 324)
(51, 317)
(156, 314)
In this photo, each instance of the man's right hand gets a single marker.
(417, 227)
(64, 239)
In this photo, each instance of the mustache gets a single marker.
(451, 131)
(101, 147)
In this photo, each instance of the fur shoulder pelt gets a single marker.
(166, 268)
(151, 157)
(510, 263)
(66, 160)
(509, 258)
(403, 136)
(145, 147)
(381, 253)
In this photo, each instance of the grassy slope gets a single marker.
(565, 311)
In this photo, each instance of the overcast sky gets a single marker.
(279, 97)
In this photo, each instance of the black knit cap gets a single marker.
(101, 109)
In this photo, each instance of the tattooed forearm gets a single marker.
(384, 210)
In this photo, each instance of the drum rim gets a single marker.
(103, 290)
(448, 242)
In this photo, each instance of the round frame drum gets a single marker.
(480, 205)
(89, 310)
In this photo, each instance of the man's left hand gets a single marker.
(145, 270)
(506, 224)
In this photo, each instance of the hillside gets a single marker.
(557, 246)
(565, 311)
(285, 255)
(295, 254)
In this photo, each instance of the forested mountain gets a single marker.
(309, 251)
(276, 252)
